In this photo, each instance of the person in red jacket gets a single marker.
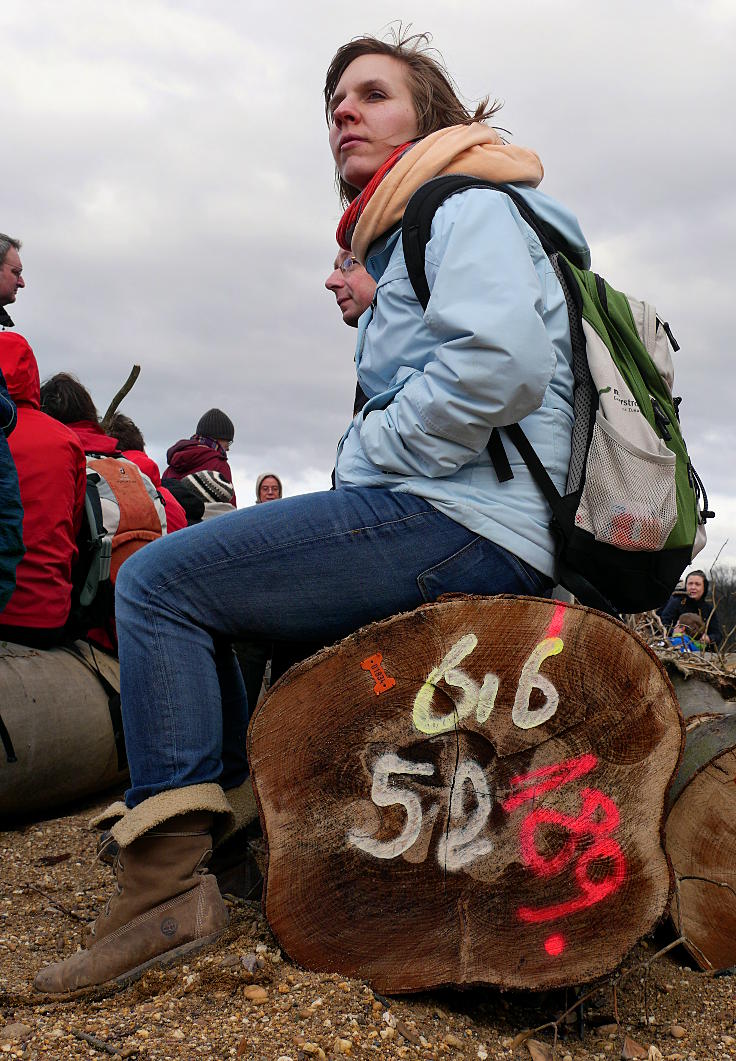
(132, 445)
(52, 475)
(67, 400)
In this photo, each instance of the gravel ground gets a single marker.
(243, 999)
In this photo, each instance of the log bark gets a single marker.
(700, 839)
(454, 796)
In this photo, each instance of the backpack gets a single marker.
(123, 511)
(633, 512)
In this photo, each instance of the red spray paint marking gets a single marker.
(382, 680)
(558, 618)
(554, 945)
(591, 892)
(548, 778)
(598, 818)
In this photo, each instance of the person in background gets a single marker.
(353, 288)
(11, 276)
(695, 600)
(67, 400)
(52, 474)
(205, 451)
(255, 654)
(11, 510)
(132, 445)
(352, 285)
(214, 490)
(268, 488)
(688, 632)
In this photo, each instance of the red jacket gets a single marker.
(94, 440)
(52, 474)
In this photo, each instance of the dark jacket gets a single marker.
(52, 476)
(11, 509)
(677, 605)
(194, 455)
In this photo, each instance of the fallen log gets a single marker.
(61, 733)
(469, 793)
(700, 839)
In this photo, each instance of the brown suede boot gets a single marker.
(166, 906)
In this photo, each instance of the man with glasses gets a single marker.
(352, 287)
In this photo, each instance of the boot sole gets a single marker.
(120, 983)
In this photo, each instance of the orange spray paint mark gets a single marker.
(382, 680)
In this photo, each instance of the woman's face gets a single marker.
(694, 586)
(371, 113)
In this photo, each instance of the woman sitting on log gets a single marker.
(417, 511)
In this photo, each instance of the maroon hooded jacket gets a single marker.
(52, 474)
(189, 455)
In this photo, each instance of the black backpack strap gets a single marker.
(416, 227)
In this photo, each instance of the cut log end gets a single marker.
(454, 796)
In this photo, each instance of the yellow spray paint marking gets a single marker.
(481, 699)
(530, 679)
(472, 699)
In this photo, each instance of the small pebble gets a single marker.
(453, 1040)
(677, 1031)
(388, 1033)
(343, 1046)
(16, 1033)
(255, 993)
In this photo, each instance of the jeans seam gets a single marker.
(274, 549)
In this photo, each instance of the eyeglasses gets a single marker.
(348, 264)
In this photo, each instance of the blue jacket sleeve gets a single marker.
(492, 357)
(8, 412)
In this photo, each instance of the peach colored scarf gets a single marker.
(473, 149)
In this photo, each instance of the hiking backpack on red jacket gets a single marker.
(123, 512)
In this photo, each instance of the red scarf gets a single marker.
(351, 216)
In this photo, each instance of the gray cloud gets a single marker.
(166, 165)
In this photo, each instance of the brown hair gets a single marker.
(64, 398)
(126, 432)
(692, 622)
(436, 99)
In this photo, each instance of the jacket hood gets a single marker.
(178, 455)
(19, 366)
(93, 438)
(259, 480)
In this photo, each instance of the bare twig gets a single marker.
(98, 1044)
(614, 981)
(53, 902)
(112, 407)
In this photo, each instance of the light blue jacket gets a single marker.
(492, 348)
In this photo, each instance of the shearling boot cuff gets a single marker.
(243, 804)
(165, 805)
(106, 818)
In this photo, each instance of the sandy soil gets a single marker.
(242, 998)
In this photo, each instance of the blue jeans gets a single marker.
(308, 568)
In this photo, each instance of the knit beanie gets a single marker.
(210, 486)
(259, 480)
(216, 424)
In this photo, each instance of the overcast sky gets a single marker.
(166, 165)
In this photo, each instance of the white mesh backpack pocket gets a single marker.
(629, 499)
